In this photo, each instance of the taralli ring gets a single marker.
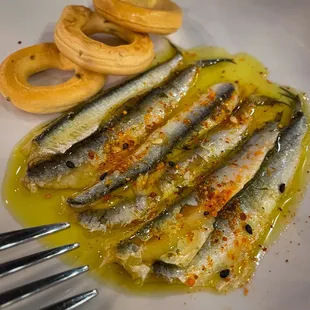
(153, 16)
(71, 38)
(19, 66)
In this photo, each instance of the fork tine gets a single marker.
(10, 239)
(27, 261)
(73, 302)
(19, 293)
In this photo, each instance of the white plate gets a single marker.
(277, 33)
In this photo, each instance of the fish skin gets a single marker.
(171, 230)
(230, 246)
(207, 156)
(158, 144)
(80, 123)
(133, 127)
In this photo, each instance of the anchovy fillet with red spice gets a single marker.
(80, 123)
(157, 146)
(115, 141)
(177, 235)
(226, 260)
(185, 172)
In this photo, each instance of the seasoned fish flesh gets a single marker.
(187, 171)
(227, 258)
(77, 125)
(86, 119)
(177, 234)
(115, 142)
(157, 146)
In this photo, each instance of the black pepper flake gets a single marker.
(32, 57)
(19, 42)
(103, 176)
(224, 273)
(249, 229)
(78, 75)
(282, 188)
(70, 164)
(171, 164)
(206, 213)
(125, 146)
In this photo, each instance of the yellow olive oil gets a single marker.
(49, 205)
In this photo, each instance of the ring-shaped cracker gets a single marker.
(152, 16)
(71, 38)
(19, 66)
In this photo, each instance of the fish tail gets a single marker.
(210, 62)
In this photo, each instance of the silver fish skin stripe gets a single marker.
(158, 144)
(77, 125)
(147, 114)
(238, 228)
(226, 182)
(207, 155)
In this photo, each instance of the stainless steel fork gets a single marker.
(14, 238)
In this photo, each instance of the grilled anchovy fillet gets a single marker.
(227, 258)
(77, 125)
(186, 172)
(148, 114)
(178, 233)
(80, 123)
(158, 144)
